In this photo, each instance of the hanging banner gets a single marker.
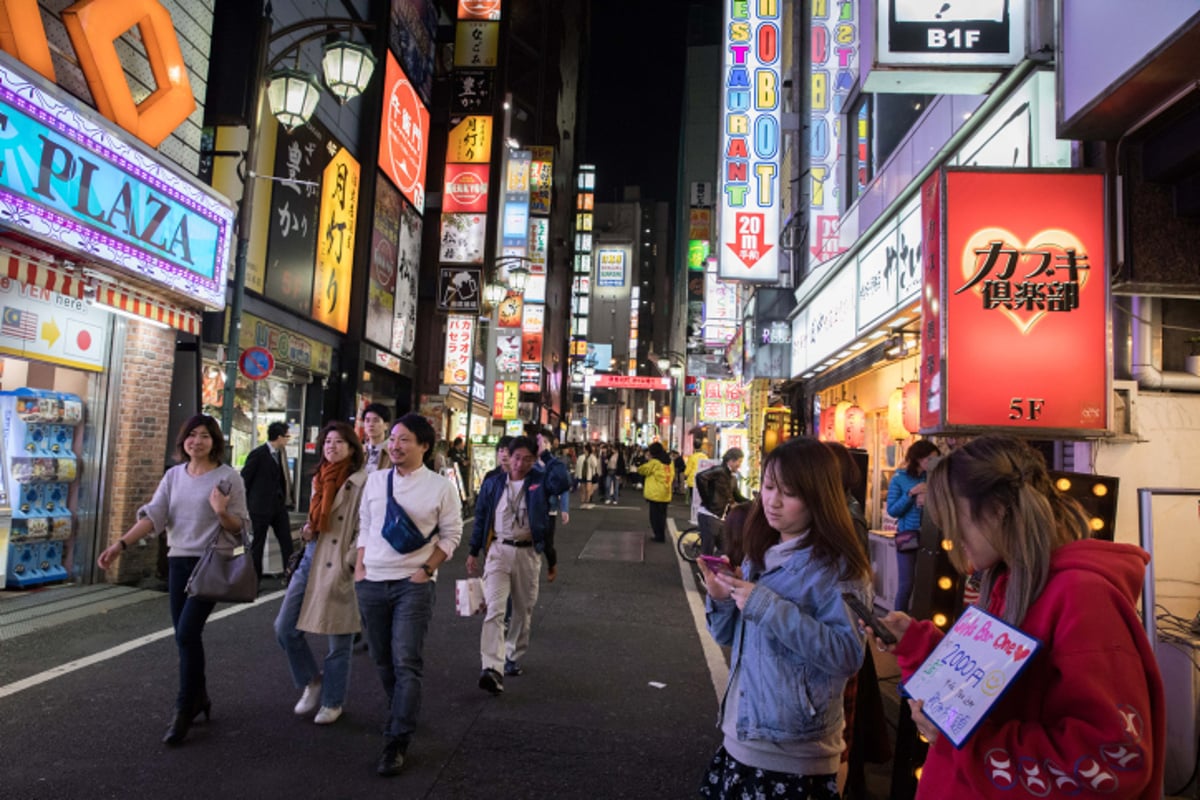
(750, 142)
(404, 135)
(460, 338)
(335, 247)
(1022, 304)
(470, 141)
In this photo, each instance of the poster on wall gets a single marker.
(411, 37)
(463, 237)
(404, 135)
(381, 279)
(335, 245)
(300, 155)
(508, 353)
(408, 264)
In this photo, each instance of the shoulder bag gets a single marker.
(225, 573)
(398, 528)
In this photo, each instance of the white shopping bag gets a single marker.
(468, 597)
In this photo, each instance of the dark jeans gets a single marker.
(188, 616)
(397, 615)
(658, 520)
(712, 534)
(282, 526)
(906, 567)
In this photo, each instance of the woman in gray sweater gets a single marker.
(193, 499)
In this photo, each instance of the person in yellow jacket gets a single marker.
(658, 474)
(693, 466)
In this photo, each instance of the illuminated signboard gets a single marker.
(466, 188)
(479, 9)
(610, 268)
(470, 140)
(609, 381)
(460, 340)
(722, 401)
(1015, 307)
(73, 180)
(835, 46)
(750, 142)
(335, 245)
(404, 135)
(476, 43)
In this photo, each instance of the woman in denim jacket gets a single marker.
(794, 642)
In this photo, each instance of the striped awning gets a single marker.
(34, 273)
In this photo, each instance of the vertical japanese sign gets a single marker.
(404, 333)
(385, 254)
(834, 71)
(515, 228)
(1024, 302)
(750, 141)
(335, 247)
(470, 140)
(404, 135)
(300, 156)
(460, 341)
(476, 44)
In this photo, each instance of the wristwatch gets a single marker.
(427, 569)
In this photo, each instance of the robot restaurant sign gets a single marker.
(750, 142)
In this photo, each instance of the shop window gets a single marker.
(875, 125)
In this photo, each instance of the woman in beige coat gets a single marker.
(320, 596)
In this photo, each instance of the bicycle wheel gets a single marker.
(688, 544)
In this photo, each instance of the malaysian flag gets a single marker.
(19, 324)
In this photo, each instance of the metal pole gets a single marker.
(245, 214)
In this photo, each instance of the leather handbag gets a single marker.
(225, 573)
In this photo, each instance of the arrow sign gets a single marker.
(749, 246)
(50, 332)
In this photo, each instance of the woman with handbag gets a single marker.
(906, 502)
(320, 595)
(194, 502)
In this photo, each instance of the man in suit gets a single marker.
(268, 482)
(375, 419)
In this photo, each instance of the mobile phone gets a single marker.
(867, 615)
(225, 486)
(717, 564)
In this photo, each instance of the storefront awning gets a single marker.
(33, 273)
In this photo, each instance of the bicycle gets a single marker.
(688, 543)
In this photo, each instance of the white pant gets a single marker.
(515, 571)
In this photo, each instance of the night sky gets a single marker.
(636, 85)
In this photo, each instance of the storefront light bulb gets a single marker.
(1097, 524)
(945, 583)
(1063, 484)
(940, 620)
(1100, 490)
(947, 545)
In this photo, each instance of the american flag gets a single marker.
(18, 323)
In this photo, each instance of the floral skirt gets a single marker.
(729, 779)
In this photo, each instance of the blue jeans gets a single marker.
(612, 487)
(906, 567)
(299, 655)
(397, 615)
(188, 615)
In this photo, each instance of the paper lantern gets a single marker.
(856, 427)
(839, 421)
(895, 417)
(912, 406)
(827, 420)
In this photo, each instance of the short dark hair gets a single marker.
(379, 410)
(522, 442)
(504, 442)
(732, 454)
(276, 429)
(419, 427)
(346, 431)
(919, 450)
(217, 454)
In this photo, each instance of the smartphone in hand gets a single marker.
(225, 486)
(867, 615)
(718, 565)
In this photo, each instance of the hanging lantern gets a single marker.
(839, 421)
(912, 406)
(827, 421)
(293, 96)
(856, 427)
(895, 415)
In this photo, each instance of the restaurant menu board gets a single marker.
(970, 669)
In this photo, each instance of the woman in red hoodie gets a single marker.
(1086, 717)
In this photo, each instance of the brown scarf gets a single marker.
(325, 485)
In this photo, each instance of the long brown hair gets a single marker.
(1005, 484)
(346, 431)
(217, 454)
(806, 467)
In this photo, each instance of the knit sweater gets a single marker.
(180, 507)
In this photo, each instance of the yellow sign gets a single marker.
(335, 241)
(289, 348)
(511, 396)
(470, 141)
(476, 43)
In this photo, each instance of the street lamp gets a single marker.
(293, 97)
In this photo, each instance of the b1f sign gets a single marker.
(750, 142)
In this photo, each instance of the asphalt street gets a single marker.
(617, 699)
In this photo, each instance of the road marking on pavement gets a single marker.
(119, 650)
(717, 668)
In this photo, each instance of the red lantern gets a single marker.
(839, 421)
(827, 421)
(856, 427)
(912, 406)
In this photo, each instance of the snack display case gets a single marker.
(40, 465)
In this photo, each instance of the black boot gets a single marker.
(178, 729)
(202, 706)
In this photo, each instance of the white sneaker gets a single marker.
(327, 715)
(310, 699)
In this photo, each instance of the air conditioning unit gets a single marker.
(1181, 688)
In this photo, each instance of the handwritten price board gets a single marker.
(969, 671)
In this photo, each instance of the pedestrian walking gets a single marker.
(268, 481)
(794, 643)
(906, 502)
(375, 419)
(658, 474)
(193, 502)
(718, 489)
(587, 470)
(515, 507)
(394, 581)
(615, 474)
(1087, 715)
(320, 596)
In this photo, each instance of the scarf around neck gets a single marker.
(329, 478)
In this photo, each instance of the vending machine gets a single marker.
(39, 466)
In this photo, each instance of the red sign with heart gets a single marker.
(1017, 300)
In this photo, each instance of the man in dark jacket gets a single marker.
(718, 490)
(267, 476)
(516, 506)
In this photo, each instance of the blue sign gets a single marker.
(256, 363)
(71, 178)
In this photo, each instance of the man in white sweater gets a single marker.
(396, 589)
